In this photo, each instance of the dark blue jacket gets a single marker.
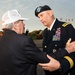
(19, 55)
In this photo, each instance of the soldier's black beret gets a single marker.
(41, 8)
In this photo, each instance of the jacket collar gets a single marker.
(9, 31)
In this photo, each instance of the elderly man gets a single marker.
(18, 53)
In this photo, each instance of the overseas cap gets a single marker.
(41, 9)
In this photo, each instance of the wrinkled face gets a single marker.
(45, 18)
(19, 27)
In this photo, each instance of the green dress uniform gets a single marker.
(55, 40)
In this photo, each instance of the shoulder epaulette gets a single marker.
(65, 24)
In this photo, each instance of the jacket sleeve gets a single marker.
(59, 54)
(67, 62)
(33, 54)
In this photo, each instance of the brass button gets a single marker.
(54, 50)
(68, 73)
(45, 46)
(55, 45)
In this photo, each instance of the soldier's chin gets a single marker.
(45, 25)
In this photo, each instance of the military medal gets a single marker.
(56, 37)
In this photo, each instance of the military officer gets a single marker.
(55, 37)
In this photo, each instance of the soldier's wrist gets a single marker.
(67, 50)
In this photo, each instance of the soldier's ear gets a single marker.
(50, 12)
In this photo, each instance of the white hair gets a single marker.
(7, 26)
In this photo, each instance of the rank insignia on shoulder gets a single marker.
(65, 24)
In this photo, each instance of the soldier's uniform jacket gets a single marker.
(56, 39)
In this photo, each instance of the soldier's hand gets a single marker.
(52, 65)
(70, 46)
